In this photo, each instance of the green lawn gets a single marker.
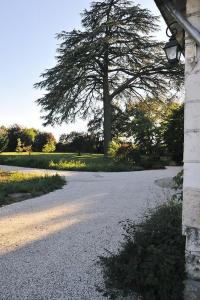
(17, 186)
(65, 161)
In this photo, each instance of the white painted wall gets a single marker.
(191, 211)
(191, 202)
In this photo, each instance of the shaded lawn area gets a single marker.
(66, 161)
(17, 186)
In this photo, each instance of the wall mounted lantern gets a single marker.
(172, 48)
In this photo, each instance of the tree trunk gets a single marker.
(106, 92)
(107, 115)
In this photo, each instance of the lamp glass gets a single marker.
(171, 53)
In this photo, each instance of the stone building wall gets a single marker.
(191, 203)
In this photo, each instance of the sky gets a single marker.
(28, 47)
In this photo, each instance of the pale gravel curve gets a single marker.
(49, 245)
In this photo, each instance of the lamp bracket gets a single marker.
(184, 23)
(171, 31)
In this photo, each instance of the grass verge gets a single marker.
(71, 162)
(17, 186)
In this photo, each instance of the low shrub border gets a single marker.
(151, 260)
(73, 162)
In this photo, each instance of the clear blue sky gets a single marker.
(28, 46)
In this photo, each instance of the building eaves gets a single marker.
(169, 19)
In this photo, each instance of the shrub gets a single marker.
(49, 147)
(149, 163)
(150, 262)
(114, 146)
(44, 142)
(124, 153)
(128, 154)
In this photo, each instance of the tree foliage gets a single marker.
(119, 119)
(28, 136)
(80, 142)
(19, 147)
(174, 134)
(44, 142)
(146, 122)
(113, 57)
(14, 133)
(22, 139)
(143, 123)
(3, 138)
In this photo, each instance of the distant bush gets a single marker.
(150, 262)
(128, 154)
(79, 142)
(49, 147)
(124, 153)
(44, 142)
(151, 163)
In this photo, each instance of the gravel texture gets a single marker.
(49, 245)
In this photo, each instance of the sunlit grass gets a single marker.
(17, 186)
(69, 165)
(65, 161)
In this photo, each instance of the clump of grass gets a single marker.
(67, 165)
(18, 186)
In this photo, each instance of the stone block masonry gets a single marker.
(191, 201)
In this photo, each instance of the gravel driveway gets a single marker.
(49, 245)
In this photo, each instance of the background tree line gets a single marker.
(154, 128)
(21, 139)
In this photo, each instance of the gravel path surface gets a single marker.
(49, 245)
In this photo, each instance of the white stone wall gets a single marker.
(191, 211)
(191, 203)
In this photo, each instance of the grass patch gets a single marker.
(69, 161)
(151, 260)
(17, 186)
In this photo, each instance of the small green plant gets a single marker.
(150, 262)
(178, 187)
